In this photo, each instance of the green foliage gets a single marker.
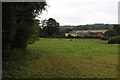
(50, 27)
(117, 29)
(87, 27)
(114, 40)
(113, 32)
(104, 38)
(63, 31)
(18, 19)
(91, 37)
(67, 30)
(34, 32)
(69, 36)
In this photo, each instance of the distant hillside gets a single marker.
(88, 27)
(66, 27)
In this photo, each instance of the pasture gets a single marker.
(67, 58)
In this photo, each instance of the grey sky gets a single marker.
(79, 12)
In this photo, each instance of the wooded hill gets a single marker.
(88, 27)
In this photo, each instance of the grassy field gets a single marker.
(67, 58)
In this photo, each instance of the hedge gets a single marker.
(114, 40)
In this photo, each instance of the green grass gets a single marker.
(67, 58)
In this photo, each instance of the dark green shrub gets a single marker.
(104, 38)
(69, 36)
(91, 36)
(114, 40)
(111, 33)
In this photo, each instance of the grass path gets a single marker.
(69, 58)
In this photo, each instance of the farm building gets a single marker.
(82, 33)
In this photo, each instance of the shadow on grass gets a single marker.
(15, 62)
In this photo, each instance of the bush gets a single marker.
(111, 33)
(91, 36)
(69, 36)
(104, 38)
(114, 40)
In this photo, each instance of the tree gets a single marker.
(111, 33)
(50, 27)
(68, 30)
(115, 31)
(18, 20)
(43, 30)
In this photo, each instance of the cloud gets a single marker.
(76, 12)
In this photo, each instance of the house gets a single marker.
(82, 33)
(71, 33)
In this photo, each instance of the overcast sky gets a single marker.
(80, 12)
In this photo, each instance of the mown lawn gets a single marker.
(67, 58)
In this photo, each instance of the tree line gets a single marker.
(88, 27)
(113, 35)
